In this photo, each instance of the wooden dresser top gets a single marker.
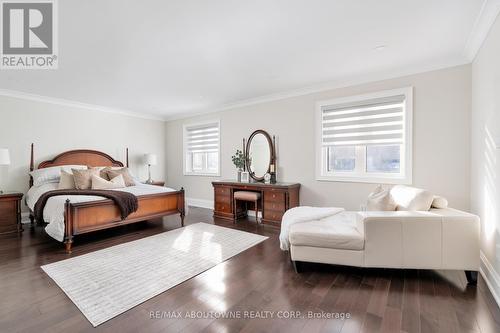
(255, 184)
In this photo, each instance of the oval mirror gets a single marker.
(259, 154)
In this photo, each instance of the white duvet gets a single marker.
(53, 213)
(303, 214)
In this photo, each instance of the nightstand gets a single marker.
(157, 183)
(10, 212)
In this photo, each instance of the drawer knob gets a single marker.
(274, 195)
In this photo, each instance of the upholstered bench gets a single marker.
(248, 196)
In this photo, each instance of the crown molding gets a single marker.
(484, 21)
(75, 104)
(318, 88)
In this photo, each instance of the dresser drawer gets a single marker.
(273, 215)
(275, 205)
(274, 196)
(222, 191)
(8, 212)
(223, 199)
(222, 207)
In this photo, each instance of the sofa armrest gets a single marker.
(409, 239)
(461, 239)
(441, 238)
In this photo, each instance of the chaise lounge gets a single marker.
(439, 238)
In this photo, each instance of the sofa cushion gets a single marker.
(411, 198)
(380, 200)
(335, 232)
(439, 202)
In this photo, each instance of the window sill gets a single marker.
(202, 174)
(370, 180)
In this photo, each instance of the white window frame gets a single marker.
(360, 175)
(184, 150)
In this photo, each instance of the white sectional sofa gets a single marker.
(434, 239)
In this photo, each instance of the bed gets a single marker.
(68, 216)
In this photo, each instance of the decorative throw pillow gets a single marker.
(51, 174)
(99, 183)
(83, 178)
(380, 200)
(411, 198)
(112, 173)
(67, 181)
(439, 202)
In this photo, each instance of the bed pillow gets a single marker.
(67, 181)
(439, 202)
(112, 173)
(411, 198)
(83, 178)
(380, 200)
(99, 183)
(103, 170)
(52, 174)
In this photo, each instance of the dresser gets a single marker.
(276, 199)
(10, 212)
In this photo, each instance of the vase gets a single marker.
(239, 176)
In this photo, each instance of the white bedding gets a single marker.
(300, 215)
(53, 212)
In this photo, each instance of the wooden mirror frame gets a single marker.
(271, 149)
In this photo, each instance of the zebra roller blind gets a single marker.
(203, 138)
(378, 121)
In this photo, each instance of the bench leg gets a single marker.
(257, 211)
(471, 277)
(235, 211)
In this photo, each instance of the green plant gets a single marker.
(238, 159)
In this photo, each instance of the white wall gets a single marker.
(55, 128)
(485, 156)
(441, 140)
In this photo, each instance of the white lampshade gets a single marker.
(4, 156)
(150, 159)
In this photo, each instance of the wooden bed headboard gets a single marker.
(78, 157)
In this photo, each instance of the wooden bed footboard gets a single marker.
(84, 217)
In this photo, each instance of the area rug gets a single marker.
(106, 283)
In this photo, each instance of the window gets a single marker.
(366, 138)
(201, 149)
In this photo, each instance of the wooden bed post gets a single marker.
(68, 227)
(127, 157)
(32, 167)
(181, 207)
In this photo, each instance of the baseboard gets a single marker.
(252, 213)
(491, 277)
(202, 203)
(25, 217)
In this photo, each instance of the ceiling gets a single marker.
(179, 57)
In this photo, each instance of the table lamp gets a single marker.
(4, 159)
(150, 160)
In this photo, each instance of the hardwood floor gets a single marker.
(259, 279)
